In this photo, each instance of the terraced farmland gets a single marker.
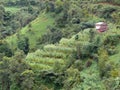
(46, 58)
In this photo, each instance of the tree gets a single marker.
(58, 6)
(30, 9)
(7, 16)
(27, 80)
(21, 75)
(72, 78)
(23, 2)
(52, 36)
(50, 7)
(62, 20)
(5, 49)
(2, 11)
(4, 73)
(103, 58)
(23, 44)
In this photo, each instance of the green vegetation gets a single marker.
(12, 9)
(53, 45)
(33, 31)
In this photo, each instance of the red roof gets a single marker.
(101, 26)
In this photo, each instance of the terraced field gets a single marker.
(45, 59)
(88, 60)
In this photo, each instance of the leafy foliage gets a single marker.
(61, 50)
(23, 44)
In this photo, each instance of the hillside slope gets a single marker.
(47, 58)
(33, 31)
(64, 50)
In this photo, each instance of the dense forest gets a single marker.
(54, 45)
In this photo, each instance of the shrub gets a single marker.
(72, 78)
(78, 64)
(88, 63)
(103, 58)
(23, 44)
(5, 49)
(52, 36)
(112, 40)
(88, 25)
(106, 12)
(115, 73)
(112, 83)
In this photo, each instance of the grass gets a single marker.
(38, 28)
(12, 9)
(91, 78)
(116, 58)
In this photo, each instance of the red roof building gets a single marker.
(101, 26)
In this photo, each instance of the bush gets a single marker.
(112, 83)
(87, 25)
(23, 44)
(106, 12)
(51, 37)
(112, 51)
(87, 50)
(112, 40)
(5, 49)
(103, 58)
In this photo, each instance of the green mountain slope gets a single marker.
(46, 59)
(37, 28)
(84, 59)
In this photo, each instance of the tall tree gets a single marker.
(5, 49)
(21, 74)
(23, 44)
(4, 73)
